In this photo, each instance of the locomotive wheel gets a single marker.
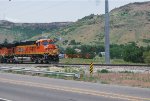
(1, 61)
(21, 62)
(4, 60)
(36, 61)
(46, 62)
(40, 61)
(56, 59)
(14, 61)
(8, 60)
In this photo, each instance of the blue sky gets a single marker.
(54, 10)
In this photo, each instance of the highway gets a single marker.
(15, 87)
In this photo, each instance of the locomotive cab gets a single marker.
(47, 43)
(48, 48)
(43, 42)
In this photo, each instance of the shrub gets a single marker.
(146, 56)
(70, 51)
(133, 53)
(104, 71)
(126, 72)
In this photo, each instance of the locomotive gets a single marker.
(40, 51)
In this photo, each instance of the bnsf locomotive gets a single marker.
(40, 51)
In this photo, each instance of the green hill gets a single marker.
(24, 31)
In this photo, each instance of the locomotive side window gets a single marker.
(38, 44)
(20, 49)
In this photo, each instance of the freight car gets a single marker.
(40, 51)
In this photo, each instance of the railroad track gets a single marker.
(104, 65)
(110, 67)
(63, 64)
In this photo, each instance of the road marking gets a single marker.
(74, 90)
(1, 99)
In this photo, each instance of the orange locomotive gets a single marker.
(41, 51)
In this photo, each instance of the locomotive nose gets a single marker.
(49, 47)
(52, 47)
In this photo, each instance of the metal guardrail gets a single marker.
(1, 99)
(41, 72)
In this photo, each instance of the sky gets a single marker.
(45, 11)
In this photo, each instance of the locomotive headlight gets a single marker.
(56, 51)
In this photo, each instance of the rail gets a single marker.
(62, 64)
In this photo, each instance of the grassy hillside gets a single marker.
(24, 31)
(129, 23)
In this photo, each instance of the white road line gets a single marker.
(1, 99)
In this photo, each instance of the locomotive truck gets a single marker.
(40, 51)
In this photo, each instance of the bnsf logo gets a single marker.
(20, 49)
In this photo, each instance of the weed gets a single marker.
(104, 82)
(104, 71)
(125, 72)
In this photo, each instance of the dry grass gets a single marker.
(127, 79)
(84, 34)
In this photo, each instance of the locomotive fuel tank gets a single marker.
(24, 59)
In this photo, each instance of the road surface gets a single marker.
(15, 87)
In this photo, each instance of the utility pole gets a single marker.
(107, 28)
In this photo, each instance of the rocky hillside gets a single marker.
(24, 31)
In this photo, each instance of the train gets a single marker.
(39, 51)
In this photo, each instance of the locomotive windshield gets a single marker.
(45, 43)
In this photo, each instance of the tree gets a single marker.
(116, 51)
(88, 51)
(146, 56)
(133, 53)
(65, 42)
(72, 42)
(5, 42)
(62, 50)
(70, 51)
